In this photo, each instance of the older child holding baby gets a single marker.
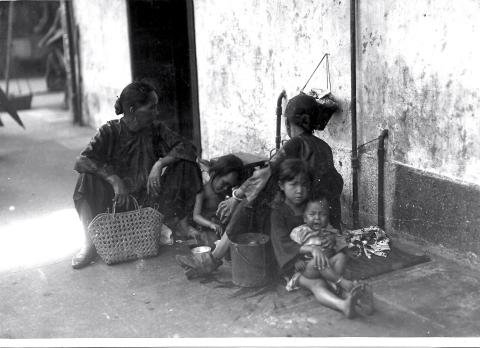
(294, 179)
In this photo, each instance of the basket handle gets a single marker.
(135, 203)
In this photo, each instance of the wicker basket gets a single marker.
(128, 235)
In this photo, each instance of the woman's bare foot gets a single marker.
(351, 300)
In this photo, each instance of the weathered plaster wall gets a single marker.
(418, 78)
(104, 55)
(248, 51)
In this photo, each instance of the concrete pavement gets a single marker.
(43, 297)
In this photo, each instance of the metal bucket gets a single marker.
(250, 266)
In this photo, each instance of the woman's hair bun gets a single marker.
(134, 94)
(309, 112)
(298, 107)
(118, 107)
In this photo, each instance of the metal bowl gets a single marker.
(201, 253)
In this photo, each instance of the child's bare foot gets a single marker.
(351, 300)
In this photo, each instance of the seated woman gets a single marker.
(136, 155)
(250, 204)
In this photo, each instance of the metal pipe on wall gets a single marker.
(353, 106)
(282, 95)
(381, 176)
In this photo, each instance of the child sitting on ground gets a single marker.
(295, 180)
(225, 173)
(317, 232)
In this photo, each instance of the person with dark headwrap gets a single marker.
(250, 204)
(135, 155)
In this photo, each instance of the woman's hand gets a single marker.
(226, 208)
(153, 183)
(319, 258)
(121, 193)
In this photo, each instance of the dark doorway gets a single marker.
(163, 50)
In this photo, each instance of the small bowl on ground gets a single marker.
(201, 253)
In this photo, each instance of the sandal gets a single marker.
(365, 302)
(84, 257)
(357, 286)
(186, 262)
(195, 269)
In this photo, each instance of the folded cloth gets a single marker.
(370, 240)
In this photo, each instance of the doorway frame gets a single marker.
(190, 13)
(197, 140)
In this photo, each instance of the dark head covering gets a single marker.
(318, 111)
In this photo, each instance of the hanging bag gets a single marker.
(125, 236)
(323, 97)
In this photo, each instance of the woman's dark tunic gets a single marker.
(115, 150)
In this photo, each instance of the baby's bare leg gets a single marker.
(333, 273)
(338, 263)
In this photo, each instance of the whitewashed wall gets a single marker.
(104, 54)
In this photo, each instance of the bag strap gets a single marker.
(327, 69)
(135, 203)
